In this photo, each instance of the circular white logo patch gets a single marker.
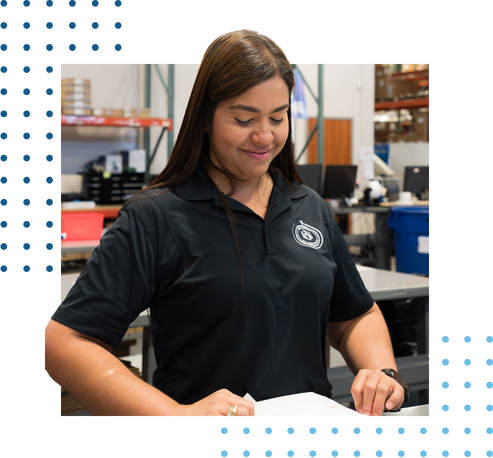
(307, 235)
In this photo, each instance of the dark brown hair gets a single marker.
(233, 63)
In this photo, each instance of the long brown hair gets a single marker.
(233, 63)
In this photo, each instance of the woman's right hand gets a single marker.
(218, 404)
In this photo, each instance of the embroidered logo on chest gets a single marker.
(308, 236)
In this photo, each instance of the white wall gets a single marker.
(348, 94)
(407, 154)
(184, 77)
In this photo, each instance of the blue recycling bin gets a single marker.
(411, 226)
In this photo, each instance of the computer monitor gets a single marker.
(417, 181)
(340, 181)
(311, 175)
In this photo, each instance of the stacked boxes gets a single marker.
(76, 96)
(108, 112)
(383, 87)
(76, 100)
(137, 112)
(388, 88)
(406, 68)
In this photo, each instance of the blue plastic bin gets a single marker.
(411, 226)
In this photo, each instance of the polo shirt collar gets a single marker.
(198, 186)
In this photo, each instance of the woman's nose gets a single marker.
(263, 133)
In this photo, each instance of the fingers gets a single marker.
(373, 392)
(244, 406)
(243, 412)
(396, 399)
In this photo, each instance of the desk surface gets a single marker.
(386, 285)
(79, 246)
(384, 207)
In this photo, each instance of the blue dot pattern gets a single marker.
(28, 115)
(461, 393)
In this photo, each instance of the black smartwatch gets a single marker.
(398, 378)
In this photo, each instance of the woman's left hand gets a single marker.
(373, 392)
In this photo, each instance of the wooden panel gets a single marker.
(337, 142)
(337, 148)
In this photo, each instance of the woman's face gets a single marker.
(250, 130)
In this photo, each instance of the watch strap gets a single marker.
(398, 378)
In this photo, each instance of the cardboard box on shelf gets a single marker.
(108, 112)
(77, 108)
(71, 96)
(404, 88)
(137, 112)
(77, 111)
(74, 88)
(420, 67)
(76, 82)
(406, 68)
(421, 125)
(77, 95)
(382, 77)
(76, 103)
(405, 137)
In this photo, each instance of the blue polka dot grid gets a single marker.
(28, 196)
(419, 438)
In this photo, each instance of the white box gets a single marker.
(137, 160)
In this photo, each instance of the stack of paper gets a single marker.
(302, 404)
(312, 404)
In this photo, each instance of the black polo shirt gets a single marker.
(174, 253)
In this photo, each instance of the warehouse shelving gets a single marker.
(402, 104)
(80, 250)
(146, 123)
(424, 79)
(166, 124)
(69, 120)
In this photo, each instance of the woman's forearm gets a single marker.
(366, 344)
(97, 379)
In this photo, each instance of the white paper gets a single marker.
(137, 160)
(248, 397)
(312, 404)
(366, 153)
(302, 404)
(366, 158)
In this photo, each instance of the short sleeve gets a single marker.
(350, 297)
(116, 285)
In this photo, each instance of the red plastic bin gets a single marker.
(82, 226)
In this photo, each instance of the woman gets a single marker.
(244, 270)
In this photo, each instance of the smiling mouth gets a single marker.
(257, 152)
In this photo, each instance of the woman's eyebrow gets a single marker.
(256, 110)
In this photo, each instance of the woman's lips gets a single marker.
(258, 155)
